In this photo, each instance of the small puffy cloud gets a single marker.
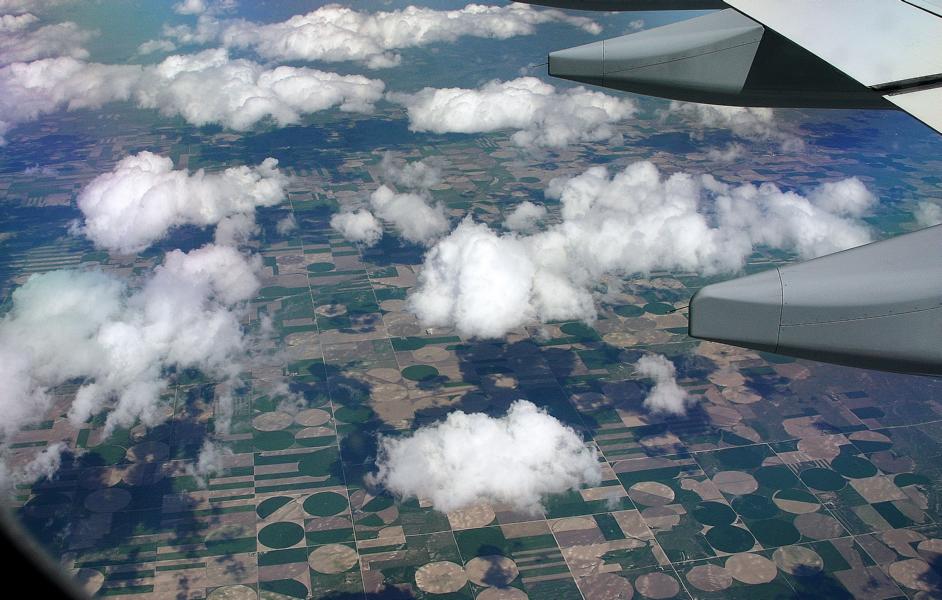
(634, 221)
(847, 197)
(119, 342)
(338, 33)
(525, 217)
(190, 7)
(152, 46)
(19, 42)
(209, 463)
(418, 175)
(928, 214)
(45, 463)
(748, 123)
(203, 88)
(412, 214)
(358, 226)
(468, 459)
(416, 220)
(286, 225)
(541, 115)
(143, 197)
(203, 7)
(666, 397)
(13, 23)
(636, 25)
(732, 152)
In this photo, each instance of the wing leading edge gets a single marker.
(891, 47)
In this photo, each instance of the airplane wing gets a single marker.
(893, 47)
(794, 53)
(878, 306)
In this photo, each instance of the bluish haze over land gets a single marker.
(354, 301)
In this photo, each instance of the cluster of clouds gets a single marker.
(43, 69)
(22, 40)
(120, 341)
(468, 459)
(747, 123)
(337, 33)
(542, 115)
(143, 197)
(411, 213)
(208, 87)
(635, 221)
(666, 396)
(23, 6)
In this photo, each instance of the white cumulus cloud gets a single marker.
(44, 463)
(203, 7)
(358, 226)
(467, 459)
(143, 197)
(338, 33)
(525, 217)
(541, 115)
(666, 397)
(210, 462)
(728, 154)
(20, 42)
(748, 123)
(411, 213)
(414, 217)
(120, 341)
(208, 87)
(634, 221)
(23, 6)
(419, 175)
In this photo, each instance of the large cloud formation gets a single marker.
(208, 87)
(337, 33)
(118, 341)
(21, 42)
(635, 221)
(666, 397)
(469, 459)
(143, 197)
(541, 115)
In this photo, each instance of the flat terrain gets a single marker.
(787, 478)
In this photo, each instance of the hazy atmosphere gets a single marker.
(355, 301)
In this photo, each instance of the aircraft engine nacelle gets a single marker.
(877, 306)
(720, 58)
